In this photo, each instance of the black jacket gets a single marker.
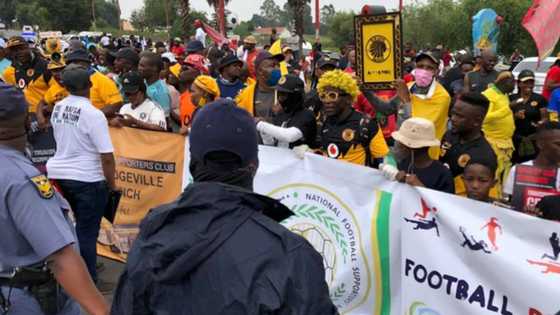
(215, 251)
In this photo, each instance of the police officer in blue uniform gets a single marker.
(39, 266)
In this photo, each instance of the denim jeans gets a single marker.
(88, 201)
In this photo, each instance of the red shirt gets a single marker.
(554, 75)
(363, 106)
(446, 59)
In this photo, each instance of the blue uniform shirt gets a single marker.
(32, 221)
(159, 93)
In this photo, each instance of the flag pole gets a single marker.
(317, 19)
(221, 17)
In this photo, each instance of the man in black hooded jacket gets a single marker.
(218, 248)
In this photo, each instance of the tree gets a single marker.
(177, 29)
(260, 21)
(270, 10)
(107, 14)
(8, 11)
(327, 12)
(341, 28)
(244, 29)
(423, 23)
(184, 12)
(298, 9)
(138, 19)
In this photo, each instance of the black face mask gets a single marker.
(292, 102)
(211, 172)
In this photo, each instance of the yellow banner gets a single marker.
(149, 172)
(378, 43)
(378, 50)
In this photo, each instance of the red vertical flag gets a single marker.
(542, 22)
(214, 35)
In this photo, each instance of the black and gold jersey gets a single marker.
(349, 138)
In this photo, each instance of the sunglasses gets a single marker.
(331, 96)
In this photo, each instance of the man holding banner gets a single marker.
(218, 247)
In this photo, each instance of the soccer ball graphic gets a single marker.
(322, 243)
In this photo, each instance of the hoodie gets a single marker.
(218, 249)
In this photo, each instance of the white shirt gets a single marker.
(105, 41)
(508, 185)
(81, 133)
(147, 112)
(200, 35)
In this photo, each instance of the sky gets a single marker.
(245, 9)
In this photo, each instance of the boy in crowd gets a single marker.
(479, 177)
(415, 167)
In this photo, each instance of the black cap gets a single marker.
(229, 60)
(77, 55)
(427, 54)
(194, 46)
(12, 102)
(75, 78)
(327, 60)
(222, 126)
(128, 54)
(264, 55)
(526, 75)
(290, 84)
(132, 82)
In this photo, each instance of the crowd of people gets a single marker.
(461, 129)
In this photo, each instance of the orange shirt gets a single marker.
(186, 108)
(251, 63)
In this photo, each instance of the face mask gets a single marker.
(292, 102)
(274, 77)
(423, 77)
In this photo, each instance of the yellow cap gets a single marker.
(175, 69)
(208, 84)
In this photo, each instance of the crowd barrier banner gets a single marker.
(390, 248)
(149, 170)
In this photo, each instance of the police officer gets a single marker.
(347, 134)
(36, 252)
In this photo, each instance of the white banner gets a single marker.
(389, 248)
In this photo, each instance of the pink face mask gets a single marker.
(423, 77)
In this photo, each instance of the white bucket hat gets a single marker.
(417, 133)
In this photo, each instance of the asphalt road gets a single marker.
(110, 273)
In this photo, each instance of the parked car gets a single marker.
(540, 71)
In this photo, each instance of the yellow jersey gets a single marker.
(499, 124)
(34, 80)
(103, 92)
(348, 140)
(434, 108)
